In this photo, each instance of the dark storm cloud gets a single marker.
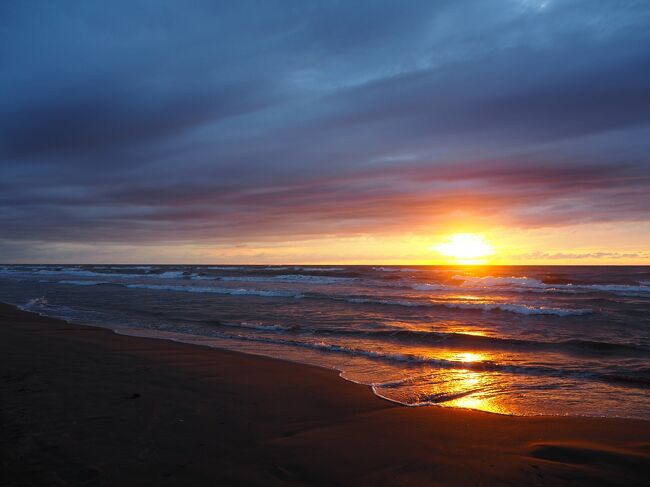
(165, 121)
(100, 117)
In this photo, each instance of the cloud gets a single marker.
(134, 123)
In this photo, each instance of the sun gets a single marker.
(465, 248)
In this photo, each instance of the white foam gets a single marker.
(82, 283)
(434, 287)
(499, 281)
(526, 284)
(140, 267)
(260, 326)
(226, 267)
(82, 273)
(169, 275)
(397, 302)
(289, 278)
(320, 269)
(521, 309)
(33, 303)
(619, 288)
(396, 269)
(512, 308)
(313, 279)
(218, 290)
(244, 278)
(77, 272)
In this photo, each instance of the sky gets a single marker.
(324, 131)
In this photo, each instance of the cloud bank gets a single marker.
(146, 122)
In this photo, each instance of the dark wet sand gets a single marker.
(84, 406)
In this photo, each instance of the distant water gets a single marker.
(516, 340)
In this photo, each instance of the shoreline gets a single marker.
(339, 372)
(169, 336)
(84, 405)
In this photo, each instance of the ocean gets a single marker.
(522, 340)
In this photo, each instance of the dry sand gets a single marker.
(85, 406)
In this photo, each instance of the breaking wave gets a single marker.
(526, 285)
(290, 278)
(522, 309)
(217, 290)
(417, 359)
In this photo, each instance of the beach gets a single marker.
(85, 406)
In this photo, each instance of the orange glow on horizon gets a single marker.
(622, 243)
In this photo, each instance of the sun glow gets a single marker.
(465, 248)
(468, 357)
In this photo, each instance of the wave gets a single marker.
(433, 287)
(617, 288)
(522, 309)
(512, 287)
(83, 283)
(202, 277)
(632, 294)
(33, 303)
(342, 275)
(85, 273)
(499, 281)
(416, 359)
(305, 268)
(527, 284)
(245, 278)
(321, 269)
(169, 275)
(290, 278)
(228, 267)
(397, 269)
(125, 266)
(77, 272)
(217, 290)
(42, 307)
(452, 340)
(426, 399)
(313, 279)
(261, 326)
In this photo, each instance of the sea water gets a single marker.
(525, 340)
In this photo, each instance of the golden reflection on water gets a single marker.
(476, 333)
(466, 297)
(467, 357)
(467, 388)
(462, 383)
(475, 384)
(480, 403)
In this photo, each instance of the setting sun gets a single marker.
(466, 248)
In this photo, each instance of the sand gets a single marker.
(85, 406)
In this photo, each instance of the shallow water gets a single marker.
(515, 340)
